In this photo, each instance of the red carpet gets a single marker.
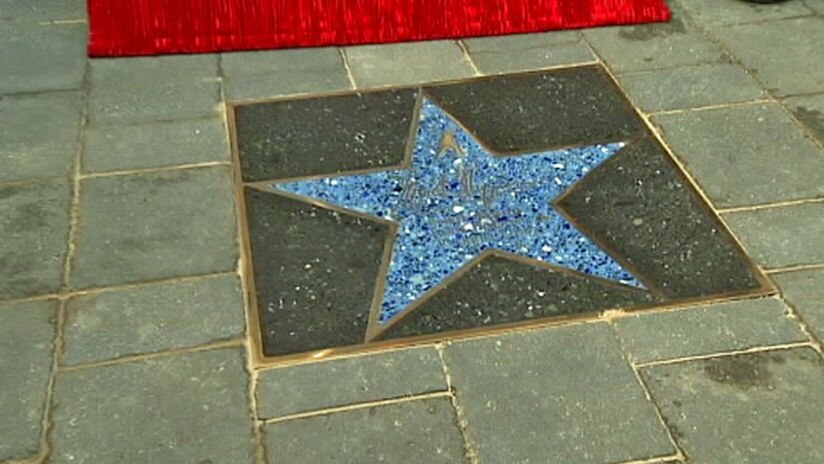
(152, 27)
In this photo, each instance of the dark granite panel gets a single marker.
(315, 272)
(640, 208)
(534, 112)
(499, 290)
(291, 138)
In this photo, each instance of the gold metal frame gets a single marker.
(370, 345)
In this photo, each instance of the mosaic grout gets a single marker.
(36, 93)
(625, 354)
(696, 109)
(150, 122)
(59, 343)
(251, 350)
(804, 326)
(345, 59)
(657, 460)
(780, 204)
(60, 22)
(139, 171)
(112, 288)
(358, 406)
(723, 354)
(214, 345)
(799, 268)
(470, 447)
(468, 57)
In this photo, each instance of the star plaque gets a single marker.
(419, 214)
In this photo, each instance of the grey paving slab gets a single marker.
(42, 10)
(192, 407)
(417, 431)
(133, 90)
(168, 224)
(810, 111)
(152, 318)
(291, 390)
(504, 43)
(654, 46)
(804, 290)
(38, 137)
(407, 63)
(111, 148)
(490, 61)
(283, 72)
(815, 5)
(709, 329)
(761, 408)
(35, 58)
(781, 237)
(674, 89)
(26, 337)
(715, 13)
(785, 55)
(746, 155)
(554, 396)
(34, 219)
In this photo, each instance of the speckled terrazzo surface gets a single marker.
(429, 185)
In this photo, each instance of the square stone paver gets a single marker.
(810, 111)
(35, 58)
(34, 219)
(407, 63)
(283, 72)
(152, 318)
(38, 136)
(785, 55)
(554, 396)
(150, 89)
(761, 408)
(781, 237)
(285, 391)
(746, 155)
(26, 338)
(191, 407)
(654, 46)
(111, 148)
(804, 290)
(710, 329)
(681, 88)
(512, 58)
(42, 10)
(169, 224)
(715, 13)
(423, 431)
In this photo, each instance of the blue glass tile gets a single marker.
(457, 200)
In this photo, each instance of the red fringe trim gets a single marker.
(151, 27)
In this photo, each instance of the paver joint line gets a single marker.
(757, 349)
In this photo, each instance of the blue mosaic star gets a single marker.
(457, 200)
